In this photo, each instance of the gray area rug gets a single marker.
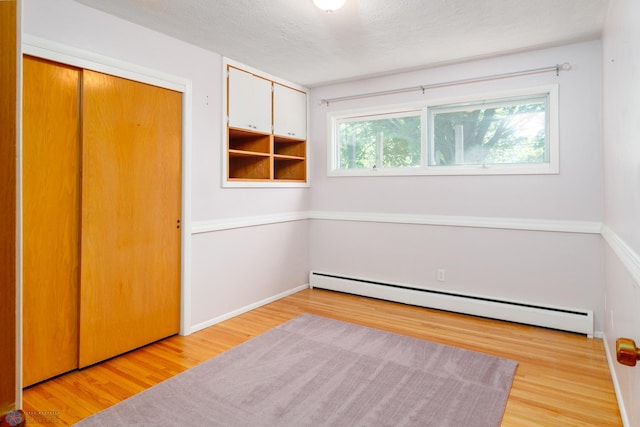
(314, 371)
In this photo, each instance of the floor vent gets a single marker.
(565, 319)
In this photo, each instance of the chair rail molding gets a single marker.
(564, 226)
(561, 226)
(629, 257)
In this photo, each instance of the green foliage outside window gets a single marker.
(386, 142)
(512, 134)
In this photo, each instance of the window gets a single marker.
(514, 134)
(380, 141)
(511, 131)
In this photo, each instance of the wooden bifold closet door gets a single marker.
(102, 205)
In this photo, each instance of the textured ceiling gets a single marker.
(294, 40)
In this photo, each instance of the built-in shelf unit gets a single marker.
(265, 130)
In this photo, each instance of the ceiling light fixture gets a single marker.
(329, 5)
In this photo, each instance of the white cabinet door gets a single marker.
(289, 112)
(249, 99)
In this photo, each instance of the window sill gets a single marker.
(545, 169)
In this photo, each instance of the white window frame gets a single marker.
(550, 167)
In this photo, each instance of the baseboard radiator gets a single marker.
(565, 319)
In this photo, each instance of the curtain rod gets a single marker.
(557, 68)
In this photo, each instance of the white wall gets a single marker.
(216, 288)
(621, 83)
(547, 267)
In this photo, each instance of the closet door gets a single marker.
(131, 206)
(51, 196)
(9, 30)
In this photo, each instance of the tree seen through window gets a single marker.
(393, 142)
(497, 135)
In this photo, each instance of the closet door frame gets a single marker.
(64, 54)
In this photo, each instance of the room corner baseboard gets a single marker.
(218, 319)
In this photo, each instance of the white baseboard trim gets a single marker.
(616, 385)
(226, 316)
(563, 318)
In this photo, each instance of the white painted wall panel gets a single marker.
(622, 320)
(621, 86)
(235, 268)
(533, 266)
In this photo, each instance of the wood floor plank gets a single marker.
(562, 378)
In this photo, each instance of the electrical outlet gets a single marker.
(441, 275)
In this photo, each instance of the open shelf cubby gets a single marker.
(289, 169)
(244, 166)
(253, 142)
(289, 147)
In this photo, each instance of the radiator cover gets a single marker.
(565, 319)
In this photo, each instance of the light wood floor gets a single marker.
(562, 379)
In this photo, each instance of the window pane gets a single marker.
(506, 132)
(389, 141)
